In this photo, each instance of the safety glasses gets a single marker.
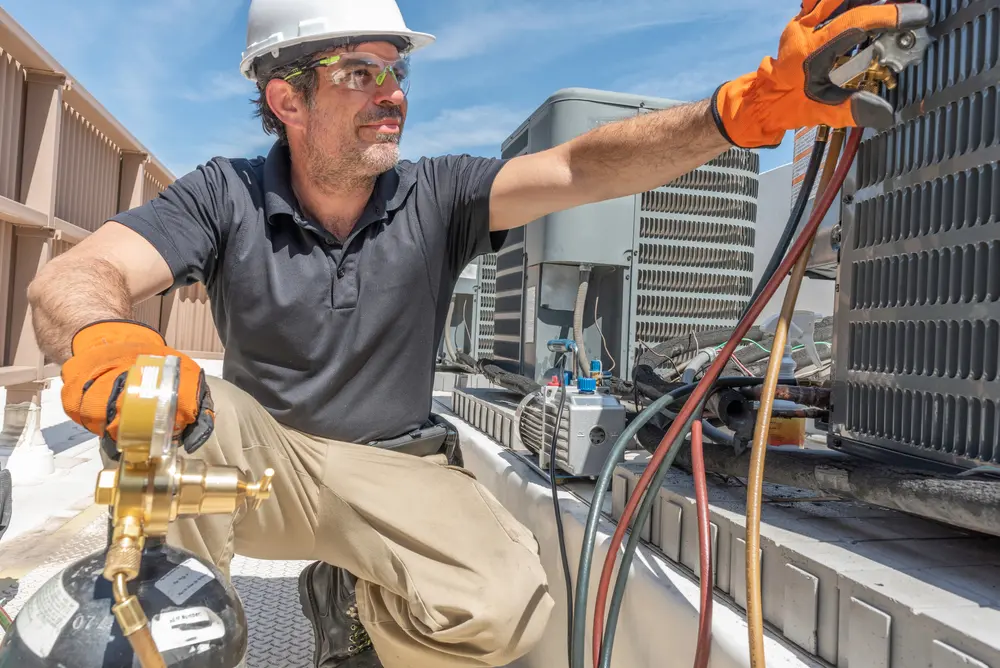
(363, 72)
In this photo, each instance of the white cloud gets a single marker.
(240, 139)
(458, 130)
(219, 86)
(732, 54)
(483, 27)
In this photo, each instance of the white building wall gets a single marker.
(774, 207)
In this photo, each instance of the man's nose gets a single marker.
(390, 93)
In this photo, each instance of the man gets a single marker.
(330, 265)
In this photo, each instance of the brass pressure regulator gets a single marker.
(151, 487)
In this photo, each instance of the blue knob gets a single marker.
(586, 385)
(595, 365)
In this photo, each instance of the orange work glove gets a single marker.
(794, 90)
(94, 377)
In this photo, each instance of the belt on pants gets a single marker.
(436, 436)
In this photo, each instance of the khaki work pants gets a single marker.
(446, 576)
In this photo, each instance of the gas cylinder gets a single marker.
(195, 616)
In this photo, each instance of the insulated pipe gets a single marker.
(961, 502)
(581, 302)
(704, 357)
(448, 343)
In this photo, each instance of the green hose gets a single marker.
(649, 497)
(594, 516)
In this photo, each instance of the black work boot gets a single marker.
(327, 596)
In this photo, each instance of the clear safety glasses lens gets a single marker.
(362, 72)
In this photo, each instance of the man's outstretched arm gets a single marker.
(788, 92)
(614, 160)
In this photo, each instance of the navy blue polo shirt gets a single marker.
(333, 339)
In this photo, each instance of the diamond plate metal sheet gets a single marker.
(280, 636)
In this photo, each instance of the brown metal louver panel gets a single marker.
(12, 90)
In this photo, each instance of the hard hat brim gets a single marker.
(417, 40)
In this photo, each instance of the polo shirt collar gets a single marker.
(391, 189)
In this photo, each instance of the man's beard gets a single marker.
(354, 166)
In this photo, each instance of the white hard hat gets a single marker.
(281, 30)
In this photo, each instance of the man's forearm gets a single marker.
(65, 297)
(646, 152)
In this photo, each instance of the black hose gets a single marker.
(970, 504)
(555, 498)
(794, 218)
(513, 382)
(679, 348)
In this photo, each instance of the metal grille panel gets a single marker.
(917, 330)
(486, 296)
(508, 286)
(694, 264)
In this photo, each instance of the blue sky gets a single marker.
(168, 69)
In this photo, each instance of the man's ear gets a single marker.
(288, 104)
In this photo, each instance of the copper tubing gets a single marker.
(755, 482)
(704, 650)
(145, 649)
(141, 638)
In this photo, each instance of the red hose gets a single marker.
(711, 375)
(704, 547)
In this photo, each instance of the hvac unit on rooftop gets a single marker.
(917, 325)
(661, 263)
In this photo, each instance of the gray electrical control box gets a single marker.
(659, 263)
(917, 322)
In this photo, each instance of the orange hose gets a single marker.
(755, 482)
(704, 650)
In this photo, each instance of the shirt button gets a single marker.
(341, 272)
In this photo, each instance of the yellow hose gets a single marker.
(755, 483)
(136, 628)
